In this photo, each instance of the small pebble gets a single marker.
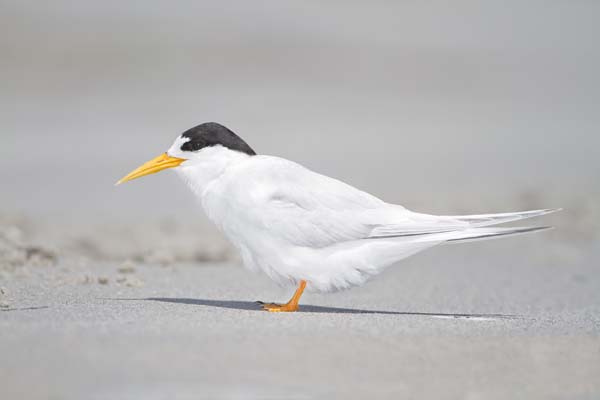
(130, 281)
(127, 267)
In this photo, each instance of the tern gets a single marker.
(303, 228)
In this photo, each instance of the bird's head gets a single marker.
(198, 145)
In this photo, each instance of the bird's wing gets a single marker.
(309, 209)
(304, 208)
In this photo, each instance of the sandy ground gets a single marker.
(495, 320)
(452, 108)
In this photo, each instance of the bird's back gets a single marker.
(291, 203)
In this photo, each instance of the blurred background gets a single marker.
(454, 107)
(447, 107)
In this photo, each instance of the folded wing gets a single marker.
(308, 209)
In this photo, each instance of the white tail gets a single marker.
(495, 219)
(423, 225)
(491, 233)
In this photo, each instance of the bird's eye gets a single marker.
(196, 146)
(192, 146)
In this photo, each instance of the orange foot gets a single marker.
(274, 307)
(290, 306)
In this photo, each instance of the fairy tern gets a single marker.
(303, 228)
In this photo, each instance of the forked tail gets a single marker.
(481, 223)
(431, 228)
(502, 218)
(491, 233)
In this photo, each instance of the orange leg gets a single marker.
(290, 306)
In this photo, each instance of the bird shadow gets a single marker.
(255, 306)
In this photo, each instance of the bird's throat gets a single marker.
(200, 174)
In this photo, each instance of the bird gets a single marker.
(303, 228)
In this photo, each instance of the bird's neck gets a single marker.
(200, 173)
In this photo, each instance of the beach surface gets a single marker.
(445, 108)
(494, 320)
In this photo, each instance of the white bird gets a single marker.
(303, 228)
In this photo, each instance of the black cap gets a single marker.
(212, 134)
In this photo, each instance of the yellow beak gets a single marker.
(153, 166)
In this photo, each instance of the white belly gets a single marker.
(326, 269)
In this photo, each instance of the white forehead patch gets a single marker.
(175, 149)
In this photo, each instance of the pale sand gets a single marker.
(529, 328)
(448, 109)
